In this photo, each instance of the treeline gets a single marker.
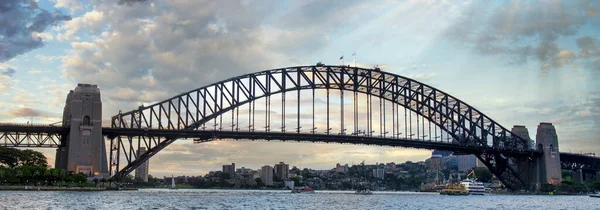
(568, 186)
(28, 167)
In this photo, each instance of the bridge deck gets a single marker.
(308, 137)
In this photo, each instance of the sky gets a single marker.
(519, 62)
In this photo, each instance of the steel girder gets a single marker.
(31, 135)
(189, 111)
(573, 161)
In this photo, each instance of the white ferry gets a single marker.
(474, 187)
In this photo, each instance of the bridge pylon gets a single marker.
(549, 162)
(83, 149)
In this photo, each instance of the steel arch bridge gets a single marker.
(383, 108)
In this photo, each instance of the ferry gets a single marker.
(304, 190)
(455, 189)
(474, 187)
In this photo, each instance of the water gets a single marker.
(251, 199)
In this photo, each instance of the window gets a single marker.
(86, 120)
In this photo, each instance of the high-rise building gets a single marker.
(282, 170)
(142, 170)
(229, 169)
(379, 173)
(466, 162)
(266, 174)
(435, 162)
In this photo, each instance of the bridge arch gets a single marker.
(188, 111)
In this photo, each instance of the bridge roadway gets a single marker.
(44, 135)
(308, 137)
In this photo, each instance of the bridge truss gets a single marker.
(31, 135)
(319, 103)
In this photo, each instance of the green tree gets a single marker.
(259, 182)
(483, 174)
(9, 157)
(297, 181)
(32, 158)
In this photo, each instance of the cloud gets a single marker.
(131, 2)
(7, 71)
(30, 112)
(6, 82)
(144, 51)
(92, 21)
(20, 20)
(521, 30)
(71, 5)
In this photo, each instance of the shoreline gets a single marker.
(45, 188)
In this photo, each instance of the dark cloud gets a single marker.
(19, 20)
(7, 71)
(29, 112)
(521, 30)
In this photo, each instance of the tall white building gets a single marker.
(266, 175)
(142, 170)
(379, 173)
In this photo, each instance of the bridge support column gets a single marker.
(529, 168)
(549, 162)
(83, 150)
(578, 176)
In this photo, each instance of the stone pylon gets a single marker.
(83, 149)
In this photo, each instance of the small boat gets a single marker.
(173, 187)
(595, 195)
(305, 189)
(455, 189)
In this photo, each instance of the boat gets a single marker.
(597, 195)
(454, 189)
(305, 189)
(474, 187)
(173, 187)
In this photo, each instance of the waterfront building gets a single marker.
(340, 168)
(229, 169)
(435, 162)
(466, 162)
(289, 184)
(141, 172)
(379, 173)
(282, 170)
(266, 174)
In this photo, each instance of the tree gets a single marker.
(9, 157)
(32, 158)
(259, 182)
(297, 181)
(483, 174)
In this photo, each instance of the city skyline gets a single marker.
(521, 63)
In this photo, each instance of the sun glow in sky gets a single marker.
(519, 62)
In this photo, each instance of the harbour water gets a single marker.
(260, 199)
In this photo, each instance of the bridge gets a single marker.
(332, 104)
